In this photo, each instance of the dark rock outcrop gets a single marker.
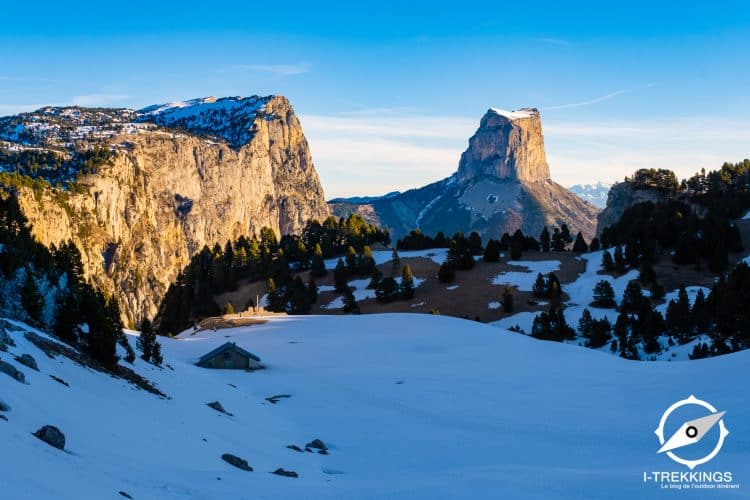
(27, 360)
(12, 371)
(218, 407)
(317, 444)
(285, 473)
(52, 436)
(236, 461)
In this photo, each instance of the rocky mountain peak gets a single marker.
(140, 192)
(507, 145)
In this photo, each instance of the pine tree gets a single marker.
(580, 245)
(600, 333)
(619, 260)
(366, 262)
(646, 273)
(318, 265)
(395, 260)
(475, 243)
(508, 300)
(604, 295)
(350, 302)
(274, 297)
(340, 277)
(387, 291)
(105, 327)
(544, 239)
(67, 316)
(595, 245)
(146, 341)
(446, 273)
(312, 291)
(227, 309)
(607, 263)
(699, 316)
(632, 298)
(407, 283)
(376, 276)
(505, 242)
(585, 324)
(554, 287)
(541, 287)
(31, 299)
(156, 357)
(299, 302)
(492, 251)
(516, 246)
(351, 260)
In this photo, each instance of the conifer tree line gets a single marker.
(220, 269)
(53, 293)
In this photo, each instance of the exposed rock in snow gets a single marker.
(12, 371)
(27, 360)
(52, 436)
(285, 473)
(218, 407)
(238, 462)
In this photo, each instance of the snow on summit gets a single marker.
(229, 117)
(517, 114)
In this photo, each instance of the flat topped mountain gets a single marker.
(507, 145)
(502, 184)
(141, 191)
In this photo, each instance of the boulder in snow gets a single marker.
(52, 436)
(4, 406)
(238, 462)
(27, 360)
(317, 444)
(218, 407)
(285, 473)
(12, 371)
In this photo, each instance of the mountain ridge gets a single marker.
(159, 193)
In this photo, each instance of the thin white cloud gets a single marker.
(278, 69)
(98, 99)
(599, 99)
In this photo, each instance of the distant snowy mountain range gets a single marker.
(596, 194)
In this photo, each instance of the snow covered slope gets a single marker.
(410, 406)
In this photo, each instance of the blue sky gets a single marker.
(388, 94)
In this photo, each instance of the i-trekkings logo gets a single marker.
(691, 432)
(697, 432)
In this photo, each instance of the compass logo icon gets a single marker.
(692, 431)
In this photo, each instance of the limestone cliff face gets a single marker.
(166, 193)
(622, 196)
(507, 145)
(502, 184)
